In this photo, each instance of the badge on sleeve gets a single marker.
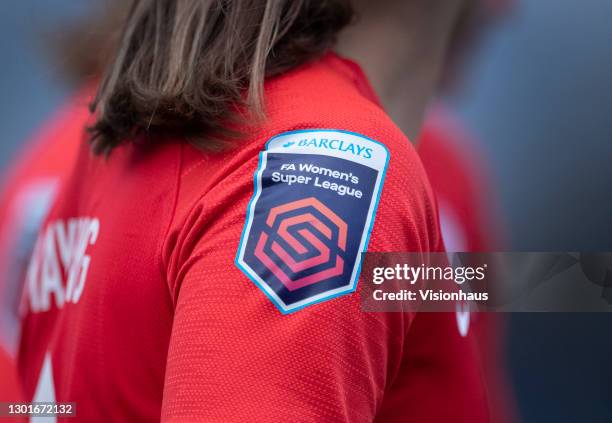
(311, 214)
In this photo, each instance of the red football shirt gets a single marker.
(459, 176)
(9, 386)
(29, 186)
(221, 287)
(470, 221)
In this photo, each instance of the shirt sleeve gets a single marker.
(234, 356)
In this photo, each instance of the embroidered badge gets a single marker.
(311, 214)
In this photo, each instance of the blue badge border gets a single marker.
(352, 286)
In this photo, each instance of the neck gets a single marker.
(402, 50)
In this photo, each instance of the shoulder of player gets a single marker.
(310, 99)
(317, 97)
(366, 122)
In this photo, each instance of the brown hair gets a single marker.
(185, 67)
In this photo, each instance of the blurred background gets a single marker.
(538, 100)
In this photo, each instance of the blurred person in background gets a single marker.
(40, 168)
(470, 214)
(457, 168)
(9, 384)
(458, 171)
(30, 186)
(51, 336)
